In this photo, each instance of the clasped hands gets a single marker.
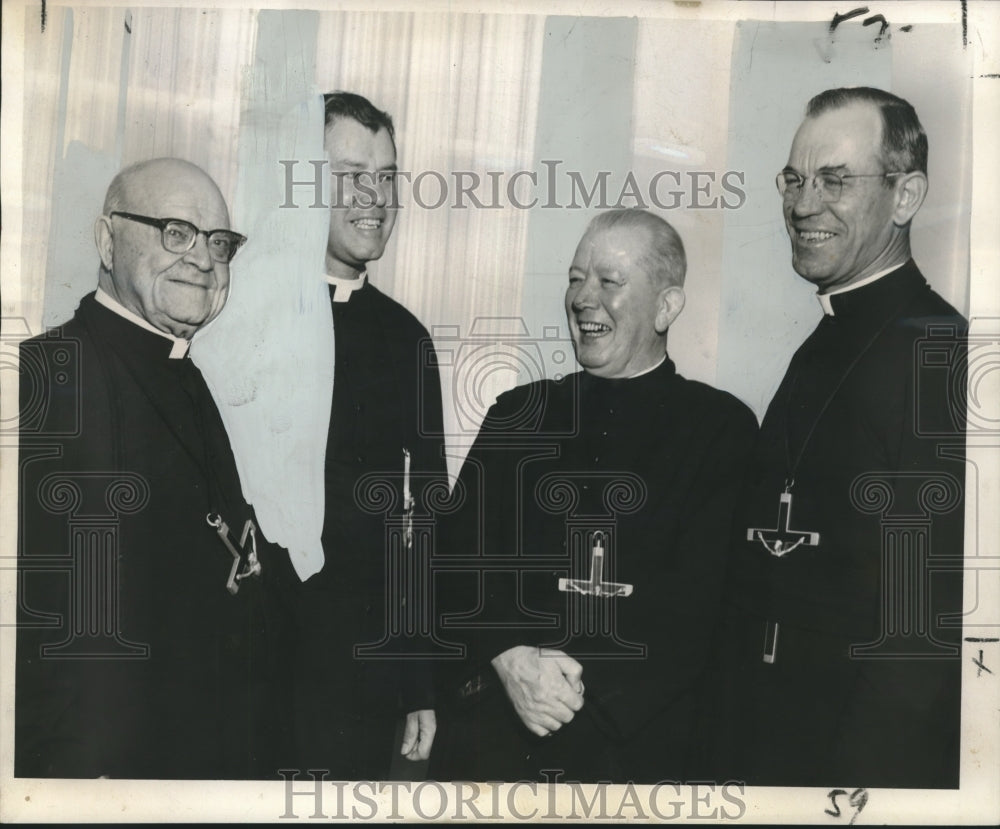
(545, 686)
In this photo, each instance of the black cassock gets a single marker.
(651, 466)
(869, 422)
(133, 657)
(386, 397)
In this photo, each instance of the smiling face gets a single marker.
(176, 293)
(364, 206)
(618, 316)
(835, 244)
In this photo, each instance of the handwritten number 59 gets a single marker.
(857, 801)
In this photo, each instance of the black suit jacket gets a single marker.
(869, 422)
(655, 464)
(133, 658)
(386, 398)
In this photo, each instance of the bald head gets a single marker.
(150, 182)
(175, 292)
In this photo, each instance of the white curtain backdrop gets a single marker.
(105, 87)
(463, 93)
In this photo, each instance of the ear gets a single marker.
(105, 241)
(910, 192)
(670, 302)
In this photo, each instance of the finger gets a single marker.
(564, 712)
(572, 698)
(557, 688)
(423, 749)
(554, 709)
(427, 731)
(571, 669)
(409, 735)
(556, 697)
(539, 722)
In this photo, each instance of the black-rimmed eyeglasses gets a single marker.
(179, 236)
(828, 186)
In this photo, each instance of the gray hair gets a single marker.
(904, 142)
(663, 258)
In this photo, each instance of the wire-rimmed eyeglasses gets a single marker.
(828, 186)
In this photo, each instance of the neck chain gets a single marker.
(792, 464)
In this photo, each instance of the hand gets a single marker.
(544, 686)
(418, 735)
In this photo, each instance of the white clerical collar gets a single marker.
(344, 288)
(824, 299)
(180, 347)
(650, 369)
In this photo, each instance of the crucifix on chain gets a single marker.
(594, 586)
(781, 540)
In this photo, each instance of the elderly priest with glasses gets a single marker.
(148, 629)
(839, 660)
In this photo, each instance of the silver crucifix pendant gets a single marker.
(594, 586)
(781, 540)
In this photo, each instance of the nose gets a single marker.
(383, 190)
(584, 294)
(806, 202)
(199, 255)
(370, 190)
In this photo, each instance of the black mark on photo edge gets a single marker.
(877, 18)
(840, 18)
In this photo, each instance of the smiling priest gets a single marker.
(150, 631)
(839, 661)
(590, 541)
